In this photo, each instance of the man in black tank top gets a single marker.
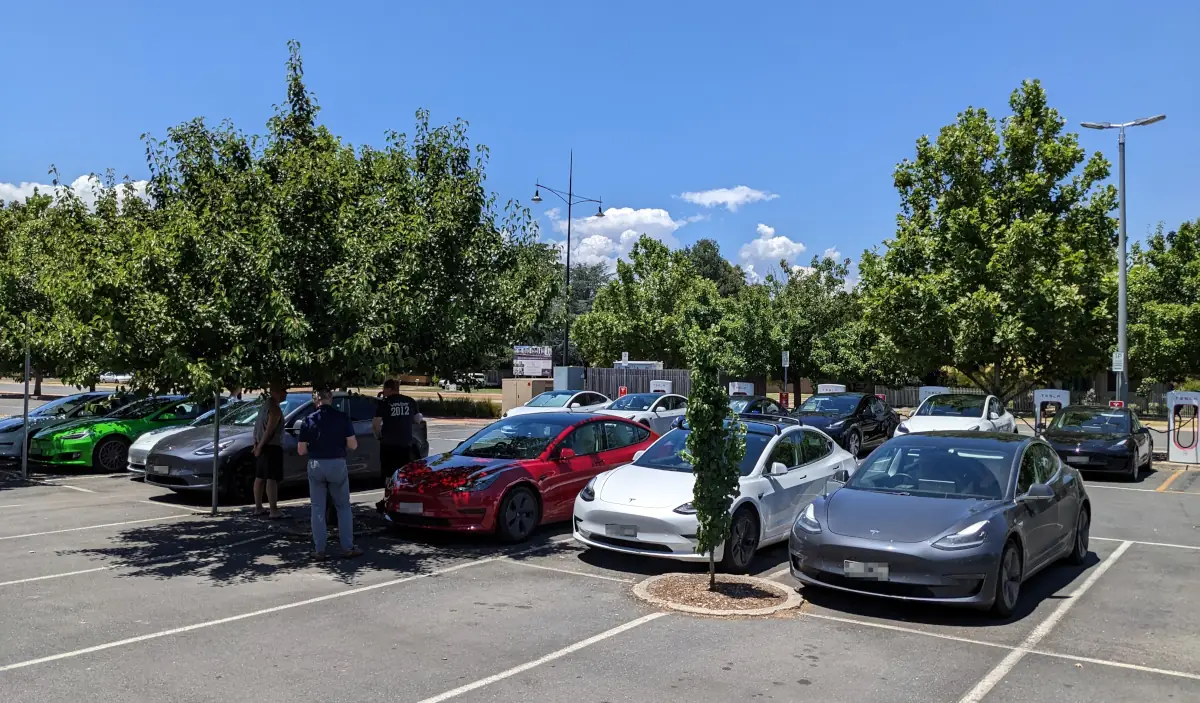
(394, 420)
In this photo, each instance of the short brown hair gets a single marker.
(391, 385)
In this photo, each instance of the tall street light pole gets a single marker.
(571, 199)
(1122, 255)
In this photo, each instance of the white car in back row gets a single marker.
(960, 411)
(558, 401)
(654, 410)
(646, 507)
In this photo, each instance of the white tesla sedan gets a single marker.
(960, 411)
(645, 507)
(558, 401)
(654, 410)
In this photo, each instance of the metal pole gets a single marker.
(1122, 342)
(25, 412)
(567, 306)
(785, 390)
(216, 444)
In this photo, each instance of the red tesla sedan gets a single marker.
(513, 475)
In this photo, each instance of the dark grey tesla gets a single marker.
(959, 518)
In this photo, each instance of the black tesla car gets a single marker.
(853, 420)
(1101, 439)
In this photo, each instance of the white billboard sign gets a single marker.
(535, 362)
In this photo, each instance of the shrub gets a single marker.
(458, 407)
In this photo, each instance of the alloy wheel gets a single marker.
(1082, 525)
(853, 444)
(519, 514)
(112, 455)
(1010, 578)
(743, 541)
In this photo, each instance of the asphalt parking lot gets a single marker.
(112, 590)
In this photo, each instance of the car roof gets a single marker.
(1100, 408)
(1006, 437)
(857, 394)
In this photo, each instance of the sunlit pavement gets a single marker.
(114, 590)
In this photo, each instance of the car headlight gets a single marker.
(589, 491)
(478, 482)
(901, 429)
(837, 425)
(973, 428)
(685, 509)
(970, 536)
(807, 521)
(1120, 445)
(207, 450)
(79, 434)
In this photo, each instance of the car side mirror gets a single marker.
(574, 405)
(778, 468)
(836, 480)
(566, 453)
(638, 454)
(1040, 428)
(1039, 491)
(993, 415)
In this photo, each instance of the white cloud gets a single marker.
(832, 253)
(84, 187)
(596, 240)
(762, 255)
(729, 198)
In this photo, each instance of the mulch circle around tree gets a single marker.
(734, 595)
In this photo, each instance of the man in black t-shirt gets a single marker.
(394, 420)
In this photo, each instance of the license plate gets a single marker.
(866, 570)
(1077, 460)
(160, 469)
(410, 508)
(620, 530)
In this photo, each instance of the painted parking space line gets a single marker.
(91, 527)
(993, 677)
(13, 505)
(1138, 490)
(557, 654)
(1120, 665)
(176, 506)
(1170, 479)
(73, 488)
(1148, 544)
(56, 576)
(568, 571)
(906, 630)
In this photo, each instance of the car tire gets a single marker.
(1079, 549)
(854, 442)
(1133, 473)
(1150, 459)
(742, 543)
(1008, 581)
(518, 515)
(111, 454)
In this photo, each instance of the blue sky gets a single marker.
(807, 105)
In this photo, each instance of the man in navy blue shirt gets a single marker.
(324, 438)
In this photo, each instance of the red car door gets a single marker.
(578, 458)
(621, 441)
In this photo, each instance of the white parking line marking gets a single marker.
(1149, 544)
(73, 488)
(91, 527)
(177, 507)
(778, 572)
(566, 571)
(12, 505)
(1121, 665)
(455, 692)
(908, 630)
(268, 611)
(993, 677)
(1141, 490)
(56, 576)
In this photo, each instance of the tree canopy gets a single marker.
(1164, 309)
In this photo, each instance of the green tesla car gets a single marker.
(102, 442)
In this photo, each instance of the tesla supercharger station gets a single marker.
(1182, 410)
(925, 391)
(1043, 398)
(831, 388)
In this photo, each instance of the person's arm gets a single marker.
(416, 412)
(377, 423)
(351, 440)
(302, 444)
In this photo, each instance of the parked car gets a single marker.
(183, 462)
(854, 420)
(654, 410)
(513, 475)
(960, 411)
(558, 401)
(959, 518)
(102, 442)
(114, 377)
(1101, 439)
(56, 412)
(756, 405)
(645, 507)
(140, 449)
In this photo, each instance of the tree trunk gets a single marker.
(92, 388)
(37, 383)
(712, 571)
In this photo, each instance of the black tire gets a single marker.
(742, 543)
(519, 514)
(1132, 473)
(237, 481)
(1150, 459)
(111, 455)
(1079, 550)
(1008, 581)
(854, 442)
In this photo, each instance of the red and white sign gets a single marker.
(1116, 403)
(622, 391)
(783, 399)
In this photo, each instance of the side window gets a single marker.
(664, 404)
(681, 403)
(641, 434)
(813, 447)
(785, 453)
(1027, 474)
(586, 439)
(1047, 462)
(770, 407)
(619, 434)
(877, 407)
(362, 409)
(1037, 466)
(342, 403)
(184, 411)
(1134, 422)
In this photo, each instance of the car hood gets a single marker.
(1084, 440)
(149, 439)
(189, 439)
(643, 487)
(888, 517)
(444, 472)
(819, 420)
(74, 425)
(930, 423)
(627, 414)
(525, 410)
(12, 423)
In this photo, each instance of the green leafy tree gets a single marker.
(1164, 310)
(1003, 256)
(586, 281)
(708, 262)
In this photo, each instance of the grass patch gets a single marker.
(458, 407)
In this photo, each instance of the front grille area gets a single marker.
(630, 544)
(890, 588)
(420, 520)
(167, 480)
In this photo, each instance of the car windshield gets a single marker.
(62, 406)
(551, 399)
(959, 405)
(636, 401)
(141, 408)
(835, 404)
(245, 415)
(939, 467)
(738, 405)
(668, 452)
(520, 437)
(1091, 420)
(228, 410)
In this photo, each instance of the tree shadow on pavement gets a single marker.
(237, 548)
(1050, 584)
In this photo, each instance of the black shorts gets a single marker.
(270, 463)
(394, 456)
